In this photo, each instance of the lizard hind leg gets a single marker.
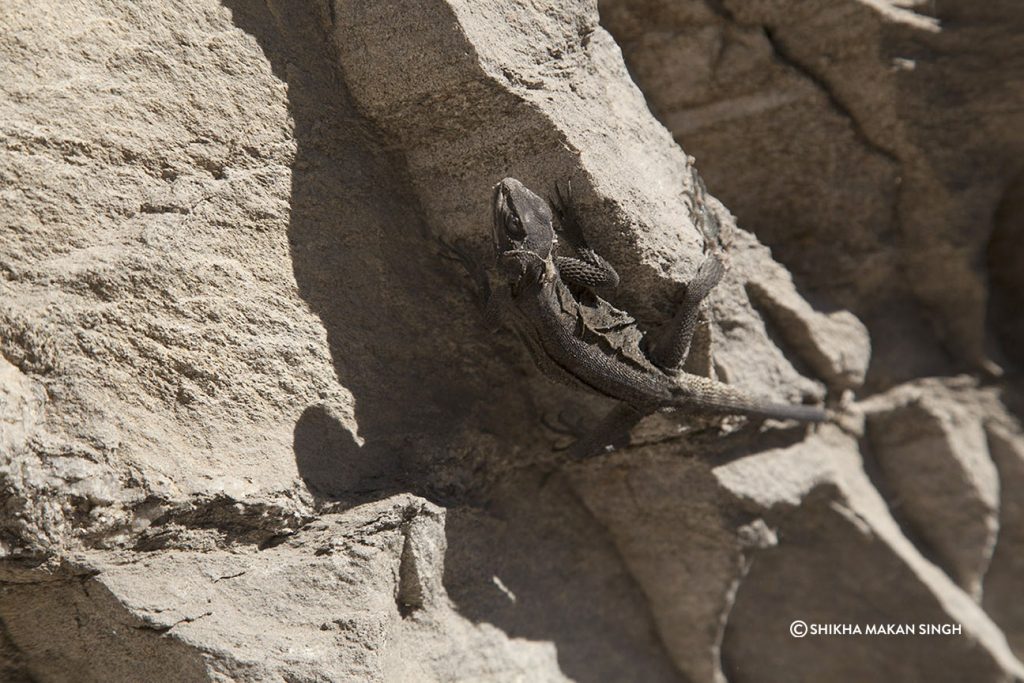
(669, 346)
(611, 433)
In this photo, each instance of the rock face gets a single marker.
(251, 427)
(870, 143)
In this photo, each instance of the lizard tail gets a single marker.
(708, 395)
(783, 411)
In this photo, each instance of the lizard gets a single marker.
(544, 297)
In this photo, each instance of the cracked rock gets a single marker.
(1005, 577)
(858, 141)
(934, 463)
(252, 428)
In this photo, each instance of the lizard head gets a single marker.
(522, 221)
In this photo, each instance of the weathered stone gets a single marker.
(841, 559)
(250, 425)
(487, 100)
(678, 533)
(934, 465)
(862, 144)
(1004, 580)
(326, 603)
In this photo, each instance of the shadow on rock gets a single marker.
(538, 566)
(331, 463)
(364, 263)
(436, 408)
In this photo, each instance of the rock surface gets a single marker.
(869, 142)
(251, 427)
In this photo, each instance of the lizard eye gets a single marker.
(515, 227)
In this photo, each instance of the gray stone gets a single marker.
(862, 145)
(251, 428)
(934, 464)
(1004, 580)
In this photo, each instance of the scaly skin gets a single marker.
(540, 306)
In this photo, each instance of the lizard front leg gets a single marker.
(588, 269)
(491, 302)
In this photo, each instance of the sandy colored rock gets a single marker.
(1005, 577)
(934, 463)
(861, 144)
(328, 602)
(835, 346)
(842, 558)
(252, 429)
(678, 534)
